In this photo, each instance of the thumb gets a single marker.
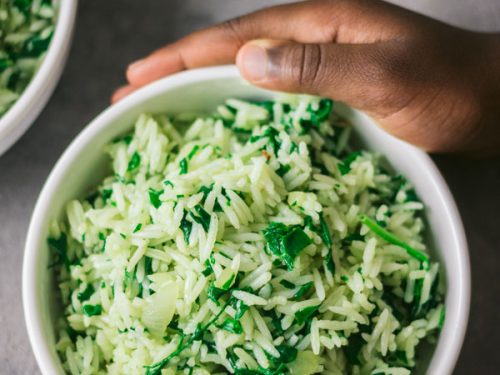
(352, 73)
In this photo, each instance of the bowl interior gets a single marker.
(83, 165)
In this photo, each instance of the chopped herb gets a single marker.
(401, 184)
(419, 310)
(397, 359)
(276, 322)
(137, 228)
(287, 284)
(283, 170)
(205, 190)
(417, 293)
(208, 269)
(240, 309)
(123, 180)
(391, 238)
(134, 162)
(168, 183)
(228, 283)
(231, 325)
(129, 278)
(442, 316)
(35, 45)
(102, 237)
(399, 311)
(154, 197)
(324, 110)
(381, 223)
(215, 293)
(60, 248)
(303, 289)
(174, 149)
(91, 198)
(286, 242)
(4, 64)
(324, 232)
(330, 264)
(202, 218)
(353, 348)
(91, 310)
(270, 133)
(317, 116)
(186, 227)
(268, 105)
(86, 294)
(73, 335)
(106, 194)
(127, 139)
(287, 353)
(345, 166)
(148, 265)
(302, 315)
(308, 223)
(259, 371)
(183, 165)
(193, 151)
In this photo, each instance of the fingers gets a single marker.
(122, 92)
(320, 21)
(220, 43)
(358, 74)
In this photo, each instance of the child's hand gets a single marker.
(426, 82)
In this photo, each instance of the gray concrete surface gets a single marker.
(111, 33)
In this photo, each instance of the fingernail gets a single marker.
(120, 93)
(254, 62)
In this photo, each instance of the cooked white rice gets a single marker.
(26, 28)
(251, 241)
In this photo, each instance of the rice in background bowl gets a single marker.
(187, 92)
(31, 60)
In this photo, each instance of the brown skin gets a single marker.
(426, 82)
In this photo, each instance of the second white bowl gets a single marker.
(21, 115)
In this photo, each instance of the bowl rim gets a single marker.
(444, 357)
(34, 97)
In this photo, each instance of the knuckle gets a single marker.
(304, 62)
(233, 27)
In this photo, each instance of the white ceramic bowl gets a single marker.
(83, 165)
(21, 115)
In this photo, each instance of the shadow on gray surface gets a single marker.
(475, 185)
